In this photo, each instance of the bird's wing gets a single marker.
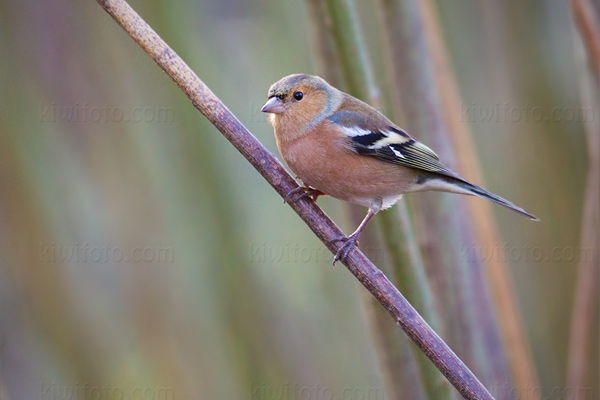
(387, 142)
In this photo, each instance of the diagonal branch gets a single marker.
(323, 227)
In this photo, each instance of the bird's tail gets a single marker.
(481, 192)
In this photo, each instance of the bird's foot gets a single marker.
(304, 192)
(350, 242)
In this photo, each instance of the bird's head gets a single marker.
(301, 100)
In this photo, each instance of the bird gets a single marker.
(340, 146)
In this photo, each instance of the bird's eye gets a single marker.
(298, 95)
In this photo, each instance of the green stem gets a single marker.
(396, 356)
(350, 45)
(400, 242)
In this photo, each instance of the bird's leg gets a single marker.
(304, 191)
(352, 240)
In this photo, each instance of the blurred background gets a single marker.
(142, 257)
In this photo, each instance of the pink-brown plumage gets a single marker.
(344, 148)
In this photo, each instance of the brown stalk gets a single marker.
(584, 18)
(322, 226)
(445, 224)
(519, 355)
(585, 304)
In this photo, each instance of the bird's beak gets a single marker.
(274, 106)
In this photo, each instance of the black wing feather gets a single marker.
(390, 144)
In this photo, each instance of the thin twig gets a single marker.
(321, 225)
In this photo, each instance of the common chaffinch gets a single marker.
(342, 147)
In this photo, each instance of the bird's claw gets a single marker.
(349, 243)
(304, 192)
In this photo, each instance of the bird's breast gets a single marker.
(322, 160)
